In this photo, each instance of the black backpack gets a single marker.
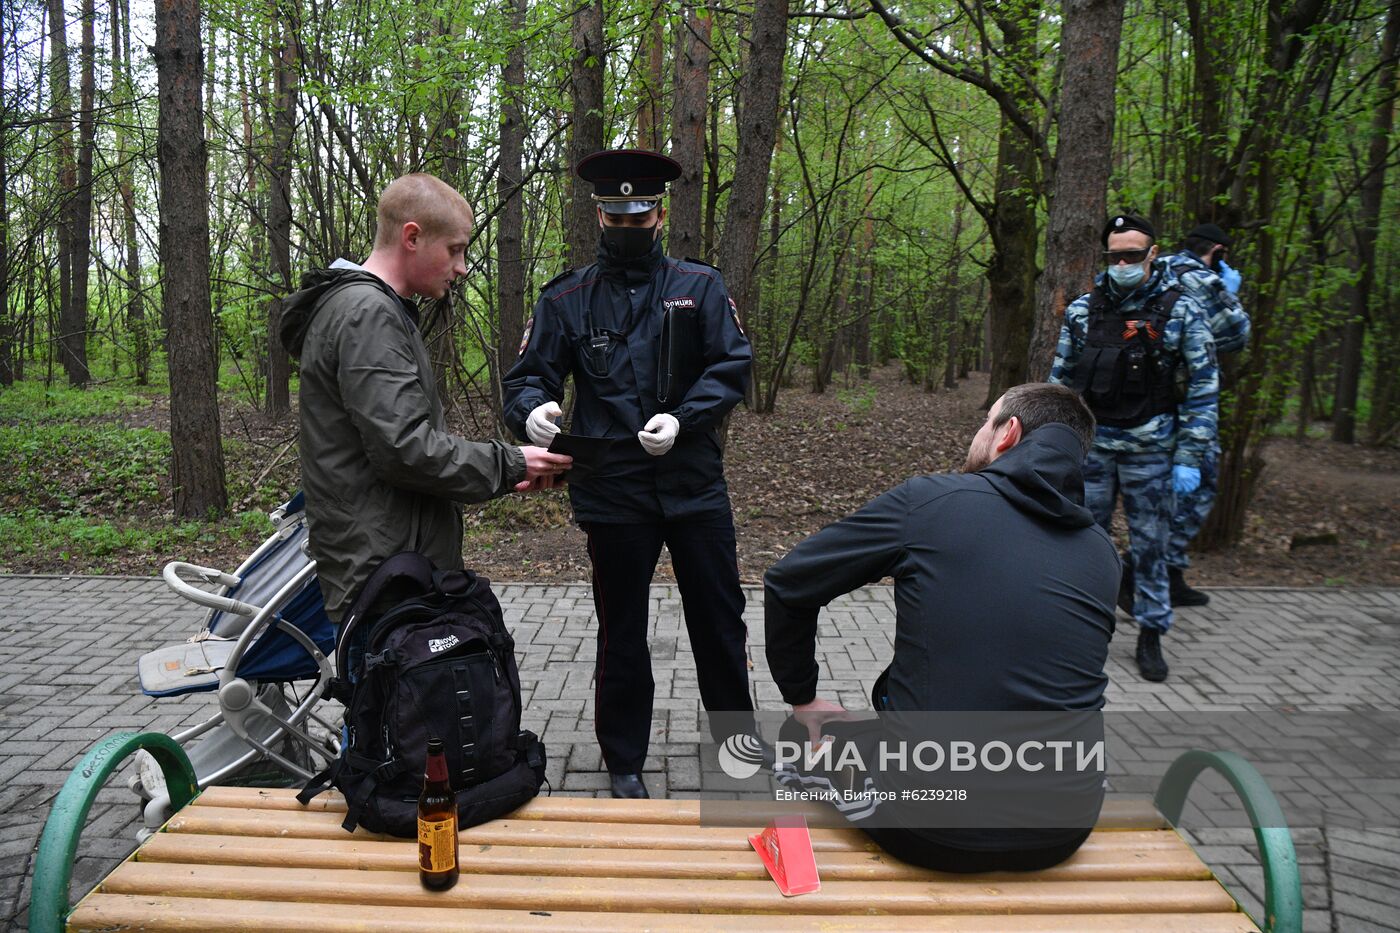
(437, 663)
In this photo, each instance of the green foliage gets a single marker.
(95, 544)
(65, 469)
(30, 401)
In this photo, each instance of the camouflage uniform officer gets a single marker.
(1201, 270)
(1123, 347)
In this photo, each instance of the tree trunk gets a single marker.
(651, 112)
(126, 188)
(1367, 227)
(197, 462)
(688, 113)
(758, 128)
(279, 209)
(279, 206)
(1083, 162)
(952, 295)
(8, 329)
(510, 232)
(75, 356)
(70, 336)
(586, 81)
(1011, 274)
(1211, 59)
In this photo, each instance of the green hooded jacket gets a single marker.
(380, 470)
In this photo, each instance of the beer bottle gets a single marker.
(437, 824)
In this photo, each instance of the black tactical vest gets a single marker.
(1125, 373)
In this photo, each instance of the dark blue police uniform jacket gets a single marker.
(616, 386)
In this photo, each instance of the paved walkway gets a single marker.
(68, 649)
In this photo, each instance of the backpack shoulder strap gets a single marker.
(407, 571)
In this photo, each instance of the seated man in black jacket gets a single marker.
(1004, 594)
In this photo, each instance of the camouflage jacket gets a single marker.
(1191, 430)
(1228, 320)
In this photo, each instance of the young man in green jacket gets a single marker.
(381, 472)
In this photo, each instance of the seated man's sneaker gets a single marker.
(1150, 662)
(629, 786)
(1181, 593)
(1125, 585)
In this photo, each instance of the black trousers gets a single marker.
(624, 561)
(925, 849)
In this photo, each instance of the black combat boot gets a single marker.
(1150, 662)
(1125, 585)
(1183, 594)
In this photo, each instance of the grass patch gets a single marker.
(29, 401)
(63, 469)
(93, 545)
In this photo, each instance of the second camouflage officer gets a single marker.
(1124, 346)
(658, 358)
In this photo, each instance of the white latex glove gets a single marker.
(539, 426)
(659, 434)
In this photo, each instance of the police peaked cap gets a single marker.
(1210, 232)
(628, 181)
(1122, 223)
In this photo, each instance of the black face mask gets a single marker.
(628, 243)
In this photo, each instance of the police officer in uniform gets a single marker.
(1125, 347)
(658, 358)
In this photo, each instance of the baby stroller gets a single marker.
(266, 632)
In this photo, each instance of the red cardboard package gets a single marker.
(786, 849)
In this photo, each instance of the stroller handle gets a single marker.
(172, 575)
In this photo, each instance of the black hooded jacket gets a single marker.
(1004, 586)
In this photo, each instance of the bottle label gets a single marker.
(437, 845)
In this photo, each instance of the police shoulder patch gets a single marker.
(734, 312)
(525, 338)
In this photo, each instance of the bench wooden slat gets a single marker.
(231, 821)
(537, 892)
(198, 915)
(1160, 855)
(1118, 813)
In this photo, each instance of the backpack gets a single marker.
(437, 662)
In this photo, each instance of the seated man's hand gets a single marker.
(659, 434)
(541, 425)
(817, 713)
(542, 469)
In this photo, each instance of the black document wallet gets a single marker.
(590, 454)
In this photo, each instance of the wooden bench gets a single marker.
(254, 859)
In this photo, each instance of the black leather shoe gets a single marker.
(1125, 586)
(1181, 593)
(629, 786)
(1151, 665)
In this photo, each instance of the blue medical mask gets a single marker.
(1127, 277)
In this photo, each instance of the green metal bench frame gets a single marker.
(1283, 887)
(53, 868)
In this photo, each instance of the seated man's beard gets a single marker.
(976, 460)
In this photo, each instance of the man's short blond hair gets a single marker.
(434, 205)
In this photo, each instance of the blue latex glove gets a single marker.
(1185, 479)
(1231, 278)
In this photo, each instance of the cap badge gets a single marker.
(625, 187)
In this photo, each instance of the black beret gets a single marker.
(1210, 232)
(628, 181)
(1121, 223)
